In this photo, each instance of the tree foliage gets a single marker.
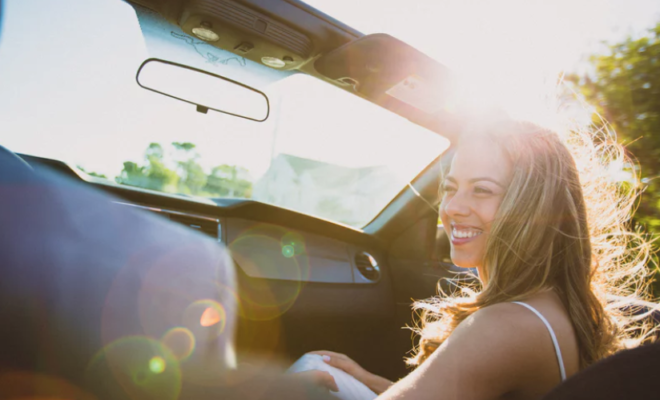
(625, 89)
(91, 173)
(182, 173)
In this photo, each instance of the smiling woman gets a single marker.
(535, 214)
(561, 277)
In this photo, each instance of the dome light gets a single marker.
(273, 62)
(204, 32)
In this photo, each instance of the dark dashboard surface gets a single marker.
(303, 283)
(265, 241)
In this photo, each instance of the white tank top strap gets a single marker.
(560, 360)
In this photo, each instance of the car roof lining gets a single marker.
(326, 35)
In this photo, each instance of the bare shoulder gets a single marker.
(502, 318)
(503, 327)
(498, 350)
(506, 340)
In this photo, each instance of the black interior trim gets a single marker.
(235, 208)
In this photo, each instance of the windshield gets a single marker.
(68, 92)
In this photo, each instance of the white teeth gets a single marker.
(462, 234)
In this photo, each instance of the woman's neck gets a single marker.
(481, 274)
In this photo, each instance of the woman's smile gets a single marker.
(462, 234)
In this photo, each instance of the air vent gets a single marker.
(207, 226)
(367, 266)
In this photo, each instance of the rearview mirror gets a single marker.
(203, 89)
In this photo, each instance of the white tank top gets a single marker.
(560, 360)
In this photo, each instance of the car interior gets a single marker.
(306, 282)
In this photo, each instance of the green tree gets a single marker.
(625, 89)
(91, 173)
(154, 175)
(229, 181)
(182, 173)
(192, 176)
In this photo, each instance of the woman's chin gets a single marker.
(464, 262)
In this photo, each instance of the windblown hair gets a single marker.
(564, 224)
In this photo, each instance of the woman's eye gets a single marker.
(447, 188)
(482, 190)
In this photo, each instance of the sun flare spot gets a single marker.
(210, 317)
(157, 365)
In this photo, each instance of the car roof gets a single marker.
(318, 45)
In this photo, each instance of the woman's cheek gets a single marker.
(444, 217)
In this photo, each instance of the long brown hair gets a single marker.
(562, 225)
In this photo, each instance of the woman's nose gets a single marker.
(457, 205)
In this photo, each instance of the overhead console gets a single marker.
(281, 35)
(232, 26)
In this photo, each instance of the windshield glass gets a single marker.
(68, 92)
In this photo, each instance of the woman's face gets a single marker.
(473, 191)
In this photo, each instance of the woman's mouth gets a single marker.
(462, 235)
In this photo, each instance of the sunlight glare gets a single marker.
(210, 317)
(508, 53)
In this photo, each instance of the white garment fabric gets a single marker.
(555, 343)
(349, 387)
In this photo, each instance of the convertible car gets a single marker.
(200, 183)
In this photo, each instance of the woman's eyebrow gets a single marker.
(473, 180)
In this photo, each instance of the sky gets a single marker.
(505, 51)
(68, 91)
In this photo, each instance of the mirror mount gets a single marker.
(203, 89)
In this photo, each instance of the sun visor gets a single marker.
(391, 73)
(167, 41)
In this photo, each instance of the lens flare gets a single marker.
(209, 317)
(269, 251)
(288, 251)
(180, 341)
(157, 365)
(295, 241)
(206, 318)
(142, 367)
(167, 284)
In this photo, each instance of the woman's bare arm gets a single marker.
(493, 352)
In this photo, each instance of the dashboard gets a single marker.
(264, 240)
(270, 251)
(302, 283)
